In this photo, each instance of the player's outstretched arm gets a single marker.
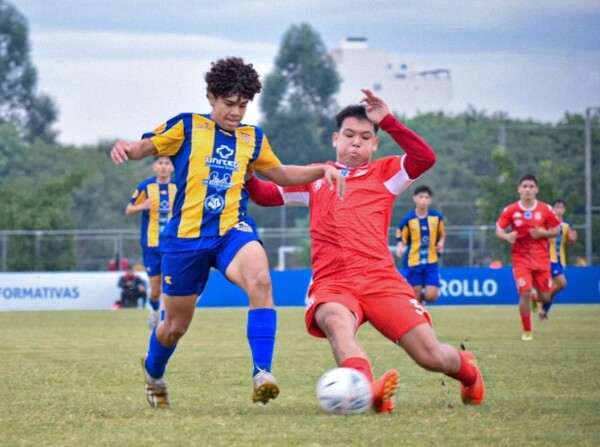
(132, 150)
(291, 175)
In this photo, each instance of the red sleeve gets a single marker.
(263, 193)
(419, 155)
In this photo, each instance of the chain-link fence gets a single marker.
(94, 250)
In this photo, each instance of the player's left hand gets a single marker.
(537, 233)
(376, 107)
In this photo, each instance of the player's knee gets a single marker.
(175, 330)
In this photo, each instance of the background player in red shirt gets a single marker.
(531, 223)
(355, 279)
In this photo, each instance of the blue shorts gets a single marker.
(556, 269)
(186, 272)
(152, 257)
(423, 275)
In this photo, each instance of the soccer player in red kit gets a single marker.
(355, 279)
(532, 222)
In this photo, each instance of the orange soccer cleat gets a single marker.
(473, 394)
(383, 391)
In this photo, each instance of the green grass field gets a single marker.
(74, 379)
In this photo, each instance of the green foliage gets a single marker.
(19, 104)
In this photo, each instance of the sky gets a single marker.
(119, 68)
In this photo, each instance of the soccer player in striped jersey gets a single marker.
(558, 255)
(420, 237)
(154, 199)
(209, 226)
(531, 223)
(355, 279)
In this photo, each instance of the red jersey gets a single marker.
(350, 235)
(527, 251)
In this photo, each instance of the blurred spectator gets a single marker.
(133, 288)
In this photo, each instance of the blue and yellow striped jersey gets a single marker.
(558, 253)
(420, 235)
(155, 219)
(210, 165)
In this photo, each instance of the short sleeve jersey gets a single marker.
(210, 163)
(155, 219)
(421, 235)
(558, 252)
(367, 205)
(526, 251)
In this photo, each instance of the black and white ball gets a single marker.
(344, 391)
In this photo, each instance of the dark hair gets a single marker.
(232, 76)
(559, 201)
(423, 188)
(528, 177)
(354, 111)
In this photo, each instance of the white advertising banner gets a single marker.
(60, 290)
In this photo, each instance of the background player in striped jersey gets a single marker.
(210, 227)
(420, 237)
(531, 223)
(355, 279)
(154, 199)
(558, 255)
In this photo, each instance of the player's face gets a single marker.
(355, 142)
(422, 200)
(528, 190)
(162, 167)
(228, 111)
(559, 209)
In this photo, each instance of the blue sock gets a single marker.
(547, 307)
(262, 326)
(158, 356)
(154, 304)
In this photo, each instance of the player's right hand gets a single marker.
(119, 152)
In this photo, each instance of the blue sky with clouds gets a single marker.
(117, 68)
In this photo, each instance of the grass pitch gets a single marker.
(74, 379)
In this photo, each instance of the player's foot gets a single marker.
(473, 394)
(543, 316)
(153, 318)
(156, 389)
(527, 336)
(265, 387)
(383, 391)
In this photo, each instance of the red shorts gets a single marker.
(527, 278)
(382, 298)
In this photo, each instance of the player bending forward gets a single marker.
(354, 276)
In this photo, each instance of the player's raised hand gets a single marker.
(376, 107)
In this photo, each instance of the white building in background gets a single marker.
(394, 77)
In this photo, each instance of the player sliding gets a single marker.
(354, 276)
(209, 226)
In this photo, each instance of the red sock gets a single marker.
(467, 374)
(360, 364)
(526, 321)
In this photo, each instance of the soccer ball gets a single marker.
(344, 391)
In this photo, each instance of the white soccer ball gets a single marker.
(344, 391)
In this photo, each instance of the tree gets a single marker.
(298, 98)
(32, 114)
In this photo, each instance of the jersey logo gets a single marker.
(344, 173)
(537, 215)
(318, 184)
(214, 203)
(527, 215)
(218, 183)
(224, 151)
(168, 280)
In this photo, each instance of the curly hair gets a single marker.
(232, 76)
